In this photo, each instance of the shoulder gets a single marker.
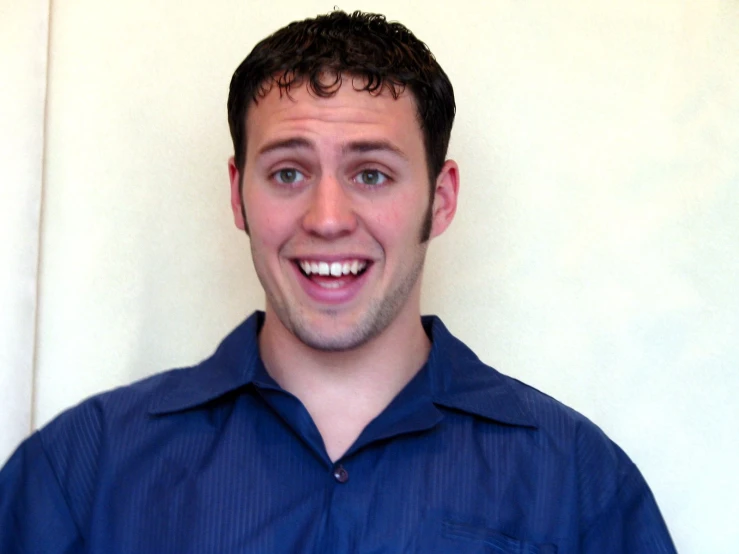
(76, 442)
(56, 469)
(594, 457)
(558, 440)
(566, 434)
(482, 390)
(504, 398)
(548, 432)
(60, 469)
(79, 429)
(617, 508)
(125, 410)
(559, 421)
(556, 454)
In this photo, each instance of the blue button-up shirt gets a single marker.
(217, 458)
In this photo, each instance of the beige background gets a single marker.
(24, 29)
(594, 254)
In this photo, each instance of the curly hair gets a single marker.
(384, 55)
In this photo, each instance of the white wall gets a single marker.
(23, 49)
(594, 254)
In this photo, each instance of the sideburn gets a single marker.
(241, 202)
(428, 219)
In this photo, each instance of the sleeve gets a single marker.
(34, 513)
(620, 513)
(631, 524)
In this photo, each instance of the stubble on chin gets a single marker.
(335, 336)
(330, 337)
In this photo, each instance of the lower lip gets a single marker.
(339, 295)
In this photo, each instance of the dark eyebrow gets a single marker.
(281, 144)
(360, 147)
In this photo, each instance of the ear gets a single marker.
(445, 198)
(237, 207)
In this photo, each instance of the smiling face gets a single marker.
(336, 193)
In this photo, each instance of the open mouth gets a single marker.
(334, 274)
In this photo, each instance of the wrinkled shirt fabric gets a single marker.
(218, 458)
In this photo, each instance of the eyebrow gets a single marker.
(356, 147)
(364, 146)
(284, 144)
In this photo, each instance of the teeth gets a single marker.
(335, 269)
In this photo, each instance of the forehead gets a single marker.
(347, 114)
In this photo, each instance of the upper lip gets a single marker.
(335, 268)
(331, 258)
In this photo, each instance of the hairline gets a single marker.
(269, 83)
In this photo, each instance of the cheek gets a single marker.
(397, 224)
(269, 221)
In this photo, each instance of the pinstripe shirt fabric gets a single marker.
(217, 458)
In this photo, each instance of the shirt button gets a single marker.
(341, 474)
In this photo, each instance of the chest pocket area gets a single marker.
(479, 540)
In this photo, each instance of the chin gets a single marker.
(333, 330)
(334, 340)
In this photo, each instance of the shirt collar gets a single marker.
(234, 364)
(458, 379)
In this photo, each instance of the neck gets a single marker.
(344, 390)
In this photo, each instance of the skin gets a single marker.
(340, 178)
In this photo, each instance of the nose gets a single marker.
(330, 211)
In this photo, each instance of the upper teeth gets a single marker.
(335, 269)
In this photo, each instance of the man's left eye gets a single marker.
(371, 177)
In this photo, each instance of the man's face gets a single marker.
(336, 192)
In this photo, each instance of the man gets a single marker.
(338, 420)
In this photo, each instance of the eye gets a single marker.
(288, 176)
(371, 177)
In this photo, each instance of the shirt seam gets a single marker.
(613, 501)
(61, 488)
(15, 523)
